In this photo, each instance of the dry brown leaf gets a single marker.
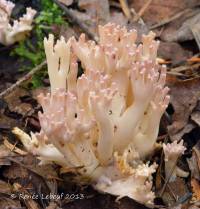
(196, 150)
(174, 191)
(194, 165)
(184, 97)
(173, 52)
(5, 188)
(195, 28)
(52, 205)
(195, 116)
(195, 189)
(13, 148)
(31, 204)
(15, 171)
(177, 207)
(6, 203)
(193, 207)
(97, 11)
(27, 163)
(160, 10)
(27, 197)
(181, 29)
(14, 102)
(192, 162)
(66, 2)
(4, 154)
(41, 90)
(182, 17)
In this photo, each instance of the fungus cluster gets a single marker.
(17, 31)
(106, 121)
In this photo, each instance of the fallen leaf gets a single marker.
(193, 207)
(9, 203)
(19, 172)
(174, 52)
(31, 204)
(195, 189)
(196, 150)
(195, 28)
(4, 154)
(5, 188)
(195, 116)
(52, 205)
(15, 104)
(182, 31)
(66, 2)
(97, 11)
(13, 148)
(29, 200)
(184, 98)
(193, 165)
(177, 207)
(175, 191)
(160, 10)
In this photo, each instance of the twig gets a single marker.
(125, 8)
(74, 19)
(177, 74)
(140, 20)
(24, 78)
(167, 180)
(170, 189)
(184, 68)
(168, 20)
(142, 10)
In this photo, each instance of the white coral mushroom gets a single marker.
(172, 152)
(9, 34)
(38, 145)
(6, 7)
(106, 121)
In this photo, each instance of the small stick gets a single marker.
(167, 180)
(24, 78)
(74, 19)
(168, 20)
(170, 190)
(125, 8)
(142, 10)
(140, 20)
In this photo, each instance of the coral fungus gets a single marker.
(10, 34)
(106, 121)
(172, 152)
